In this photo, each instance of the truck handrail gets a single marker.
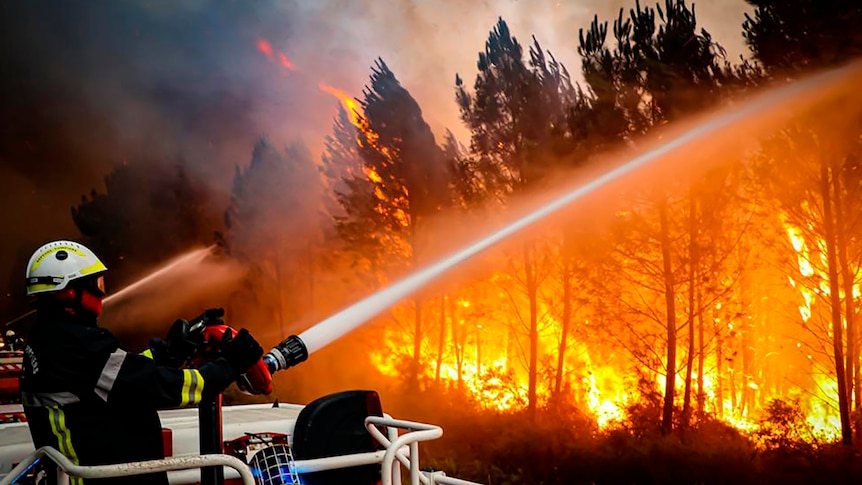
(394, 444)
(128, 469)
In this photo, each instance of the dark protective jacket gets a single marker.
(98, 404)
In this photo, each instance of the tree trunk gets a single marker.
(747, 404)
(564, 332)
(458, 342)
(417, 341)
(719, 369)
(847, 280)
(734, 403)
(532, 295)
(835, 300)
(701, 356)
(670, 308)
(692, 283)
(855, 362)
(442, 338)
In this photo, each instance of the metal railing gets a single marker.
(128, 469)
(405, 449)
(400, 450)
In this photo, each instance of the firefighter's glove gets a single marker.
(177, 348)
(241, 351)
(181, 344)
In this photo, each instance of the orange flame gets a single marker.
(821, 404)
(285, 62)
(349, 103)
(265, 47)
(474, 360)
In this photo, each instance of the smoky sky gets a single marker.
(89, 85)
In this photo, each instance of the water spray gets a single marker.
(195, 256)
(347, 320)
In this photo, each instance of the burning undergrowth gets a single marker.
(697, 318)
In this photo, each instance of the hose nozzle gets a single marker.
(288, 353)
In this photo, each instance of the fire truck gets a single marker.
(336, 439)
(11, 358)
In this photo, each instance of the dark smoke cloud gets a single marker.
(91, 85)
(88, 85)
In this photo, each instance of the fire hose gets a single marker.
(207, 331)
(206, 334)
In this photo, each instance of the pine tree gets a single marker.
(660, 70)
(150, 211)
(518, 117)
(272, 220)
(803, 35)
(812, 168)
(402, 181)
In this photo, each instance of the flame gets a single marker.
(820, 404)
(372, 174)
(265, 47)
(285, 62)
(822, 414)
(491, 373)
(606, 396)
(349, 103)
(394, 207)
(801, 248)
(474, 355)
(806, 269)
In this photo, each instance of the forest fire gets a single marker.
(508, 347)
(812, 285)
(664, 285)
(475, 352)
(472, 346)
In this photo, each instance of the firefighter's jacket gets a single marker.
(98, 404)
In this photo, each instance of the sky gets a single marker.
(88, 85)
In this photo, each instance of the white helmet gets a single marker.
(55, 264)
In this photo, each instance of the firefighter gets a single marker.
(87, 397)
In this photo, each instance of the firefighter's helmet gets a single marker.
(53, 266)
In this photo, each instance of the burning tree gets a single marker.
(658, 72)
(813, 170)
(517, 116)
(403, 182)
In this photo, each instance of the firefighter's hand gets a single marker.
(241, 351)
(181, 345)
(175, 349)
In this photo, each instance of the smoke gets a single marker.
(426, 42)
(89, 86)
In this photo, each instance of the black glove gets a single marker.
(177, 348)
(241, 351)
(182, 345)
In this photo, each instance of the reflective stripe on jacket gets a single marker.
(97, 403)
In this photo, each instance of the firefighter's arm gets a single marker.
(136, 379)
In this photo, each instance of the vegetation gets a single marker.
(697, 325)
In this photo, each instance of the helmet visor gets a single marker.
(96, 285)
